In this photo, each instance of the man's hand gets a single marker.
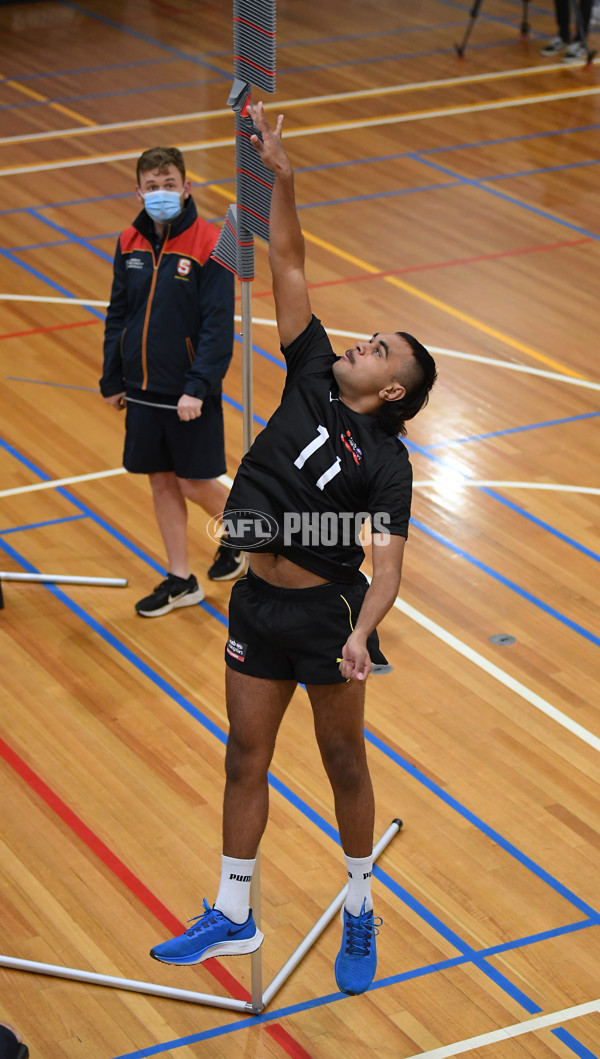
(117, 400)
(189, 407)
(356, 661)
(270, 148)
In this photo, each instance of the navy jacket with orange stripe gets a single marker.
(169, 325)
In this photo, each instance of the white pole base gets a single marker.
(259, 999)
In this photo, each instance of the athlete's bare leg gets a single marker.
(255, 708)
(338, 711)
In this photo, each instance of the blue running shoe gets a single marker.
(212, 934)
(356, 961)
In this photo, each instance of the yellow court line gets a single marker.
(414, 291)
(288, 104)
(444, 307)
(315, 130)
(410, 289)
(44, 99)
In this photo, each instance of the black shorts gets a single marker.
(294, 633)
(156, 439)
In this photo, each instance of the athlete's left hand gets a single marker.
(188, 407)
(356, 662)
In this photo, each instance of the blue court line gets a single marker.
(495, 975)
(120, 92)
(281, 787)
(424, 450)
(41, 276)
(41, 525)
(91, 389)
(509, 430)
(278, 784)
(105, 68)
(482, 186)
(50, 74)
(489, 570)
(575, 1046)
(113, 641)
(56, 385)
(72, 238)
(178, 52)
(480, 825)
(512, 585)
(331, 998)
(375, 159)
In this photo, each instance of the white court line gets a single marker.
(541, 1022)
(498, 674)
(475, 357)
(415, 615)
(56, 483)
(317, 130)
(287, 104)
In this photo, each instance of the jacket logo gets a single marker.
(134, 262)
(352, 447)
(184, 266)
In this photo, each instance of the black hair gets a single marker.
(394, 414)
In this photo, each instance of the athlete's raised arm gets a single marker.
(286, 242)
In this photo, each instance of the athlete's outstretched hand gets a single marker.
(270, 148)
(356, 661)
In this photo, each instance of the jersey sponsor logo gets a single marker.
(236, 649)
(349, 442)
(134, 262)
(184, 266)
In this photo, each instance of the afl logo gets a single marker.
(184, 266)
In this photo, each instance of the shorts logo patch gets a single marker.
(236, 649)
(184, 266)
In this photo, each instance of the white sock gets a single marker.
(360, 870)
(233, 898)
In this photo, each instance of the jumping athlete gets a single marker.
(328, 459)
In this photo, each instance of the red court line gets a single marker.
(436, 264)
(55, 327)
(137, 888)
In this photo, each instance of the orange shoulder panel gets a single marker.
(197, 242)
(131, 239)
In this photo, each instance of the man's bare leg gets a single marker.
(255, 708)
(338, 711)
(171, 515)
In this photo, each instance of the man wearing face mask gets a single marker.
(167, 345)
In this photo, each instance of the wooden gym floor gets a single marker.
(458, 201)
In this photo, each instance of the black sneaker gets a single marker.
(172, 592)
(227, 564)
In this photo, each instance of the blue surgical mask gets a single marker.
(162, 206)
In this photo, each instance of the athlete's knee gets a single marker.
(345, 763)
(245, 761)
(163, 482)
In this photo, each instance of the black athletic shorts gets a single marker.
(156, 439)
(294, 633)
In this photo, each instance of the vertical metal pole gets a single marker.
(248, 435)
(256, 957)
